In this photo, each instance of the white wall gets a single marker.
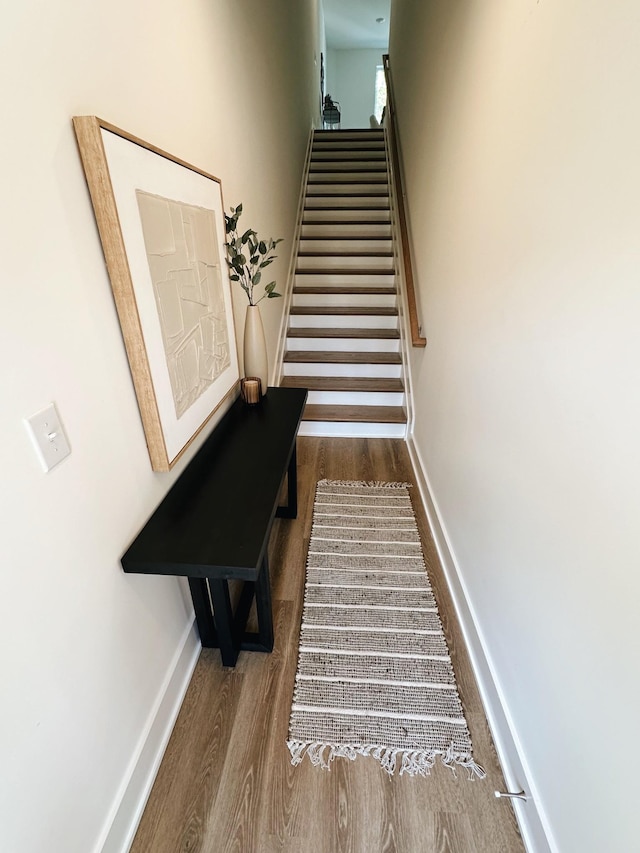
(351, 78)
(86, 650)
(520, 127)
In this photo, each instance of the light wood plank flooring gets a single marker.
(226, 783)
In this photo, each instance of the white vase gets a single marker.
(255, 347)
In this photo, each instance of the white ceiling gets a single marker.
(352, 23)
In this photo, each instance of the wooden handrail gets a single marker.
(417, 340)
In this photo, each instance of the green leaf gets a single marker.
(254, 259)
(234, 277)
(269, 287)
(273, 295)
(263, 247)
(256, 278)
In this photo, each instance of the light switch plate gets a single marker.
(48, 437)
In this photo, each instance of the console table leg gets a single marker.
(204, 615)
(264, 610)
(292, 482)
(291, 509)
(224, 621)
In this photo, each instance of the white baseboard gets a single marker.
(129, 805)
(534, 827)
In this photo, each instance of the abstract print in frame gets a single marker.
(161, 222)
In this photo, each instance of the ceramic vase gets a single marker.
(255, 347)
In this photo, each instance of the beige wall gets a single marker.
(520, 126)
(86, 651)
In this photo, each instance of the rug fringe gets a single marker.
(365, 483)
(412, 762)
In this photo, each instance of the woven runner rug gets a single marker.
(374, 674)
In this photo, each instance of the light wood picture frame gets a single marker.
(161, 223)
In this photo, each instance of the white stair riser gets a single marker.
(356, 398)
(331, 153)
(342, 321)
(344, 344)
(329, 279)
(354, 203)
(325, 176)
(376, 133)
(357, 145)
(355, 262)
(345, 189)
(351, 430)
(341, 167)
(354, 232)
(342, 214)
(315, 368)
(308, 244)
(344, 300)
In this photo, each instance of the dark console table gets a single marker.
(214, 524)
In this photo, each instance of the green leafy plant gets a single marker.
(247, 256)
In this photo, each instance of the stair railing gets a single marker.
(417, 339)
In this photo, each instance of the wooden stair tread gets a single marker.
(341, 180)
(342, 357)
(373, 131)
(311, 332)
(329, 238)
(345, 289)
(358, 155)
(349, 145)
(345, 271)
(350, 310)
(369, 156)
(355, 414)
(344, 383)
(344, 222)
(359, 253)
(353, 169)
(383, 194)
(362, 207)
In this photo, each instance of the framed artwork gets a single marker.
(161, 223)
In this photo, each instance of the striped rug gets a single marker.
(374, 674)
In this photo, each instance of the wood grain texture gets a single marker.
(343, 333)
(355, 414)
(226, 783)
(342, 383)
(362, 290)
(94, 162)
(96, 168)
(337, 357)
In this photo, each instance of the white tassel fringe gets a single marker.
(412, 762)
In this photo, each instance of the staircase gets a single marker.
(343, 339)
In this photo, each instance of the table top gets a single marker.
(215, 520)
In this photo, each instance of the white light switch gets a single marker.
(47, 435)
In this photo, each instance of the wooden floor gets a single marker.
(226, 782)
